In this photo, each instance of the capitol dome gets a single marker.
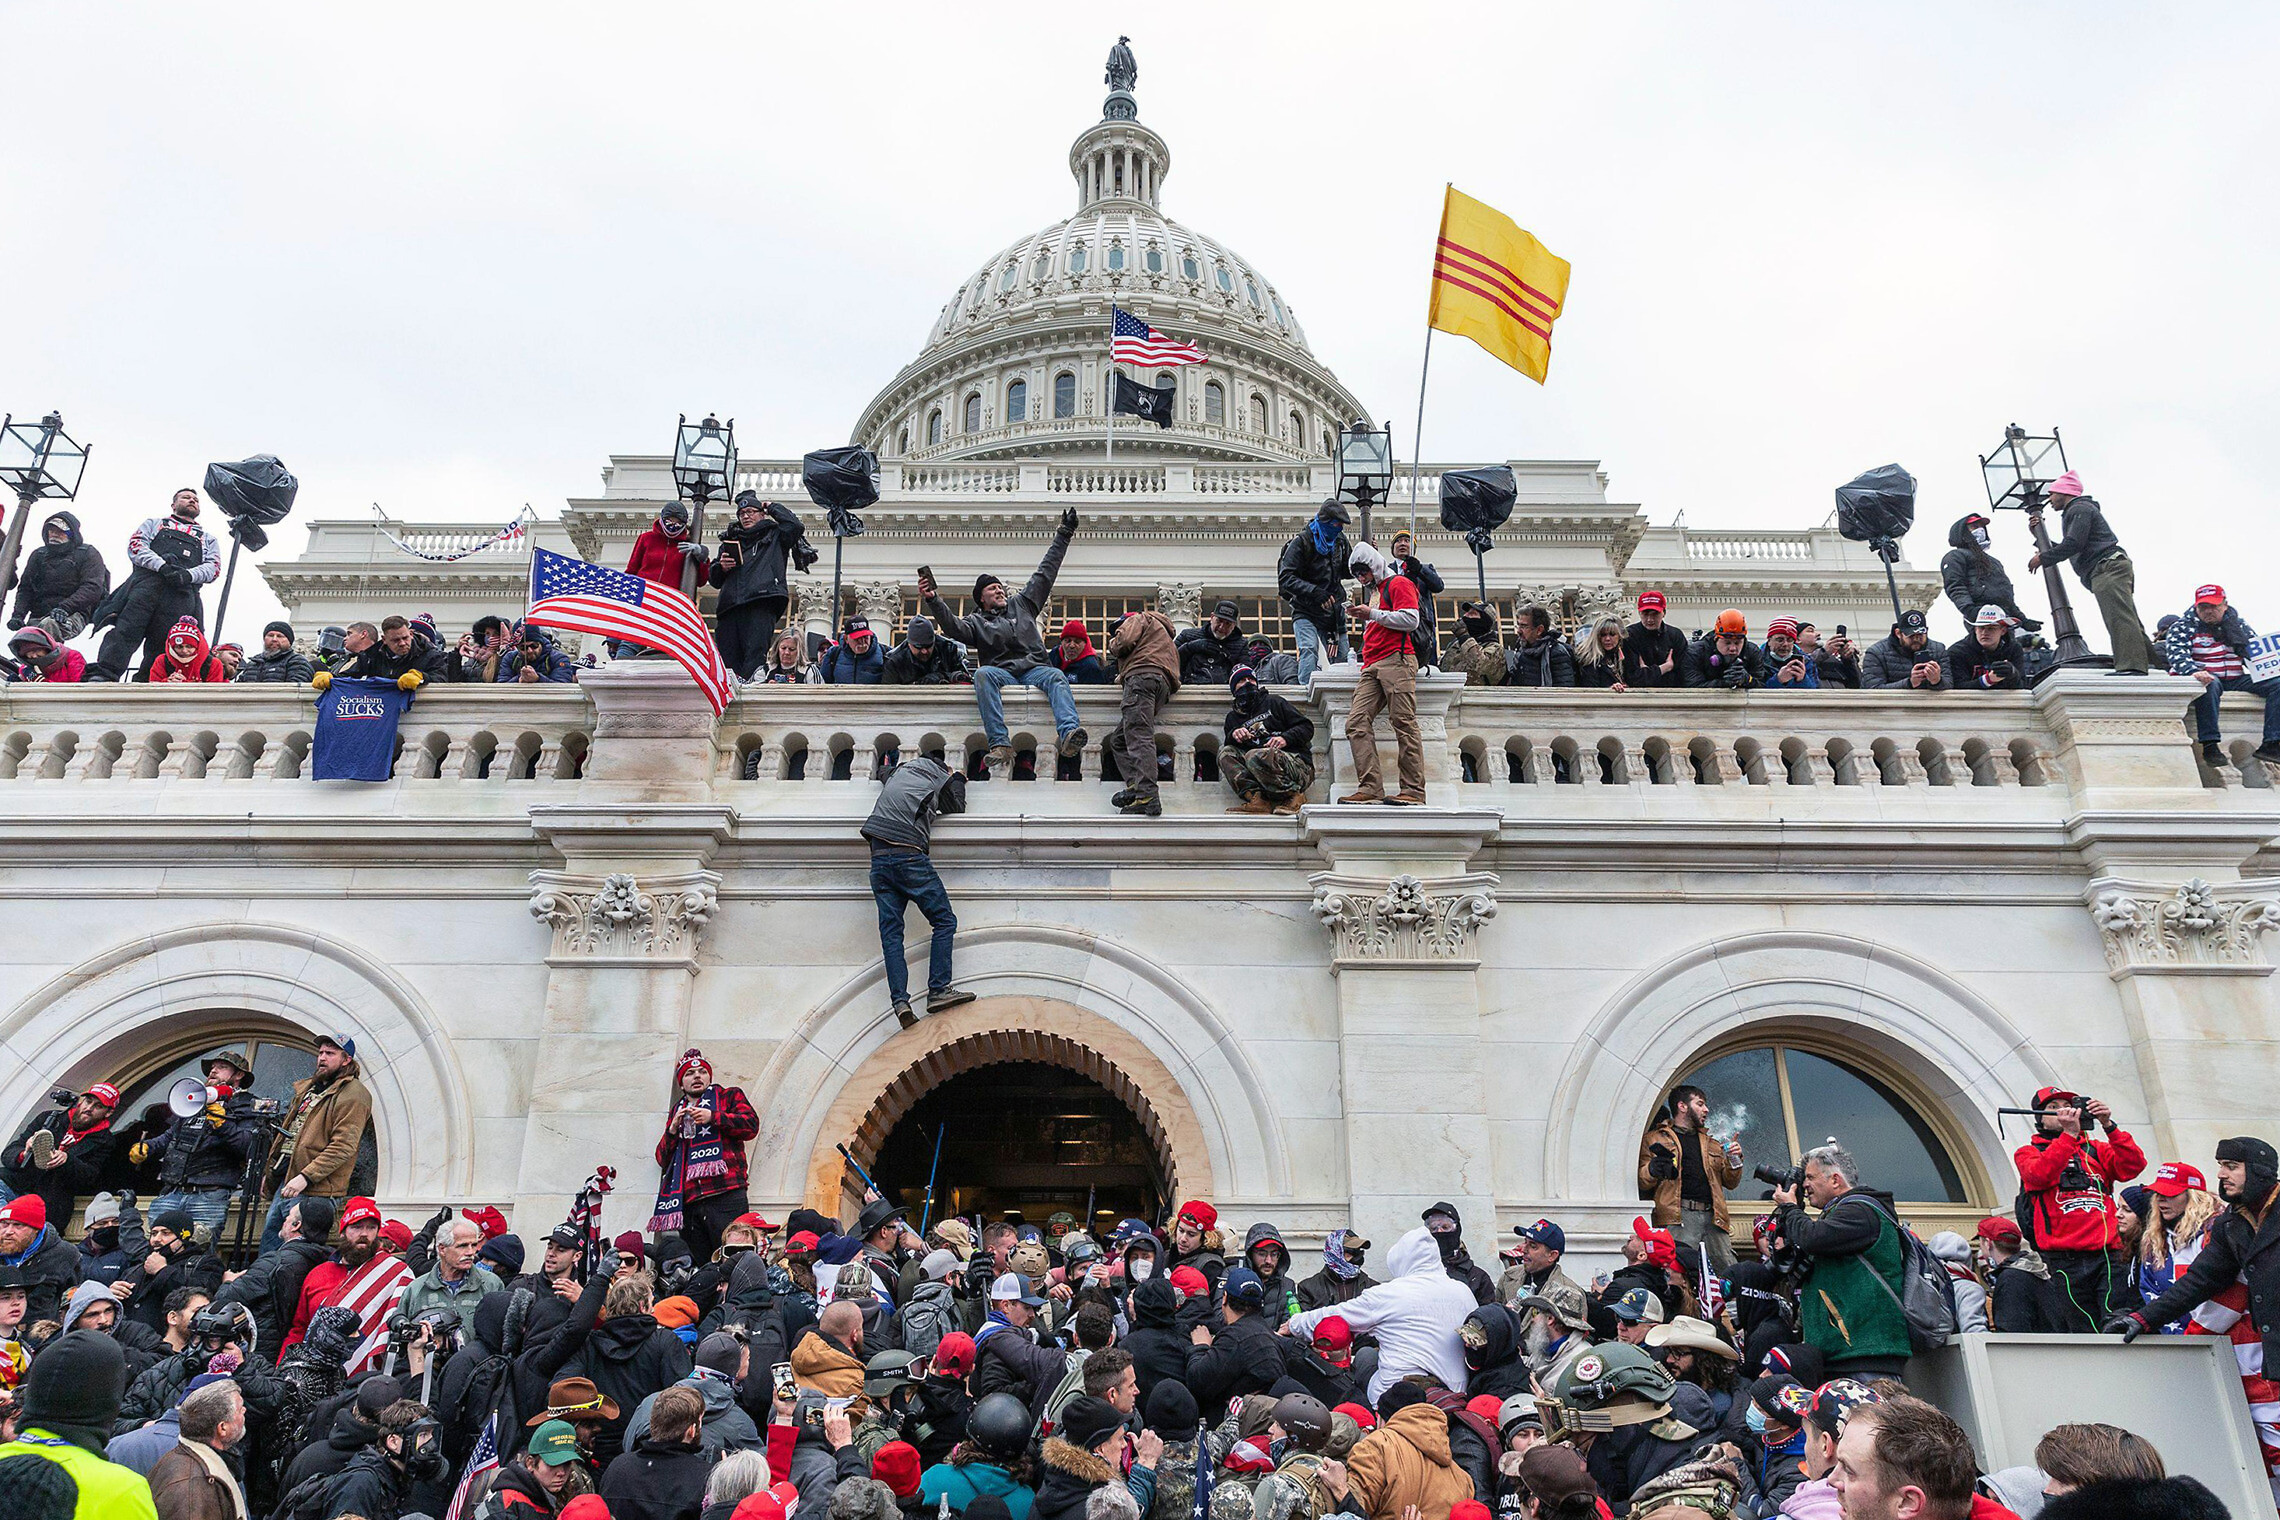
(1016, 362)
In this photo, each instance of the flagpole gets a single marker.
(1108, 390)
(1417, 447)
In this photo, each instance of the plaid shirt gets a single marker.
(737, 1124)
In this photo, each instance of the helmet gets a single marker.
(1518, 1410)
(1731, 621)
(1604, 1388)
(1078, 1248)
(1305, 1419)
(228, 1322)
(888, 1372)
(1000, 1425)
(1030, 1261)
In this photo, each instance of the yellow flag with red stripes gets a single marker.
(1495, 284)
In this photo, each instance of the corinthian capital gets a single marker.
(1405, 919)
(618, 920)
(2192, 927)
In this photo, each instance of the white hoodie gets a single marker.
(1415, 1316)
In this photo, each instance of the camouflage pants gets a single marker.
(1276, 774)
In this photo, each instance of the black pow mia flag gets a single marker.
(1153, 402)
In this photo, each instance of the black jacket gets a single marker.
(1303, 1365)
(629, 1359)
(1008, 638)
(1011, 1361)
(1499, 1366)
(1273, 716)
(350, 1434)
(1645, 650)
(67, 577)
(657, 1480)
(1838, 672)
(1159, 1347)
(271, 1288)
(1243, 1357)
(1547, 662)
(50, 1270)
(378, 663)
(160, 1389)
(199, 1152)
(1306, 577)
(1967, 660)
(2024, 1299)
(1322, 1290)
(1070, 1476)
(761, 552)
(1707, 667)
(2087, 539)
(938, 666)
(59, 1187)
(1973, 578)
(368, 1485)
(291, 667)
(1887, 663)
(2236, 1250)
(1207, 659)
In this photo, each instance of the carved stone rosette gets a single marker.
(1409, 919)
(2193, 928)
(1181, 604)
(617, 920)
(882, 603)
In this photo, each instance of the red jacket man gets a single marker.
(2069, 1182)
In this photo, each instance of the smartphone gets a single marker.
(926, 573)
(786, 1386)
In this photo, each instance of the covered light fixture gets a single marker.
(1365, 467)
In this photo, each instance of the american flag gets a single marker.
(586, 598)
(1200, 1509)
(371, 1293)
(485, 1458)
(1135, 342)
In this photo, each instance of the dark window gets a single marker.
(1064, 394)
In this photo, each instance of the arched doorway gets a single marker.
(1025, 1140)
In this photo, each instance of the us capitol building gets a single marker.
(1874, 915)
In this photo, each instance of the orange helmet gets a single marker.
(1733, 622)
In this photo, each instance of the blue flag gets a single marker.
(1201, 1508)
(356, 730)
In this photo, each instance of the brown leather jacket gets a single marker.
(1144, 641)
(1721, 1173)
(185, 1488)
(325, 1149)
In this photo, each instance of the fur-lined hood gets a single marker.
(1077, 1462)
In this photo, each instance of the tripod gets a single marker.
(249, 1192)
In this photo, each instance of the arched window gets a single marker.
(1276, 303)
(902, 441)
(1297, 431)
(1189, 267)
(973, 411)
(1163, 377)
(1042, 267)
(1329, 445)
(1155, 261)
(1214, 403)
(1781, 1099)
(1017, 401)
(1251, 288)
(1115, 258)
(1005, 281)
(1226, 280)
(1064, 394)
(1259, 414)
(934, 427)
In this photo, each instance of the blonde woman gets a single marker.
(785, 665)
(2183, 1208)
(1599, 658)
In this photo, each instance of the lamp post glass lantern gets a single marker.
(39, 462)
(1365, 467)
(704, 467)
(2017, 476)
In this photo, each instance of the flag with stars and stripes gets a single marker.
(484, 1459)
(587, 598)
(1133, 341)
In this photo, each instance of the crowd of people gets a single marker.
(1339, 594)
(720, 1365)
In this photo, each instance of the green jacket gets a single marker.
(428, 1292)
(107, 1491)
(1846, 1312)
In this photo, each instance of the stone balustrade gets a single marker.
(1521, 749)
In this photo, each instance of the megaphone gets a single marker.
(188, 1097)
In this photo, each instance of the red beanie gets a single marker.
(1488, 1406)
(1190, 1282)
(26, 1209)
(896, 1465)
(1468, 1509)
(1358, 1415)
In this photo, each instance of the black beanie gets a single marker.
(984, 579)
(75, 1386)
(280, 626)
(1171, 1410)
(1398, 1396)
(38, 1489)
(375, 1394)
(317, 1216)
(504, 1252)
(1087, 1421)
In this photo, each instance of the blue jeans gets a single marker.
(900, 878)
(990, 683)
(1310, 646)
(2205, 705)
(206, 1206)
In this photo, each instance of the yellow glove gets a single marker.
(138, 1153)
(214, 1111)
(410, 680)
(321, 680)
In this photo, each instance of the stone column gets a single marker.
(1404, 912)
(628, 908)
(1181, 603)
(2199, 999)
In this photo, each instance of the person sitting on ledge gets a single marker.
(1269, 755)
(1002, 632)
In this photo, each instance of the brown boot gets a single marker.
(1406, 799)
(1252, 805)
(1367, 794)
(1291, 806)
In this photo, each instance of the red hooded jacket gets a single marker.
(658, 558)
(202, 666)
(2076, 1218)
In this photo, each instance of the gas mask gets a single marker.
(422, 1453)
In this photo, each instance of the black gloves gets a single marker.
(1663, 1163)
(2128, 1326)
(1737, 675)
(606, 1265)
(177, 577)
(1068, 519)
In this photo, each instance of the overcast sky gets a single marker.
(449, 258)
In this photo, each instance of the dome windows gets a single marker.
(1005, 281)
(1077, 259)
(1259, 415)
(1214, 403)
(1154, 260)
(1163, 378)
(1064, 394)
(1251, 288)
(1189, 267)
(934, 427)
(1017, 401)
(1277, 305)
(1226, 281)
(973, 411)
(1116, 258)
(1042, 267)
(974, 296)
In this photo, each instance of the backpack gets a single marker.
(1064, 1392)
(1926, 1299)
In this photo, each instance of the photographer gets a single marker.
(1790, 667)
(222, 1339)
(1992, 658)
(323, 1125)
(201, 1158)
(1850, 1261)
(1836, 662)
(60, 1154)
(271, 1286)
(2067, 1181)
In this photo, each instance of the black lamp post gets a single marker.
(1365, 467)
(40, 463)
(704, 468)
(2018, 476)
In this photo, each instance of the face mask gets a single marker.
(1979, 536)
(1141, 1268)
(1756, 1420)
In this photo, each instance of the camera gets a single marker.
(1780, 1176)
(62, 1097)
